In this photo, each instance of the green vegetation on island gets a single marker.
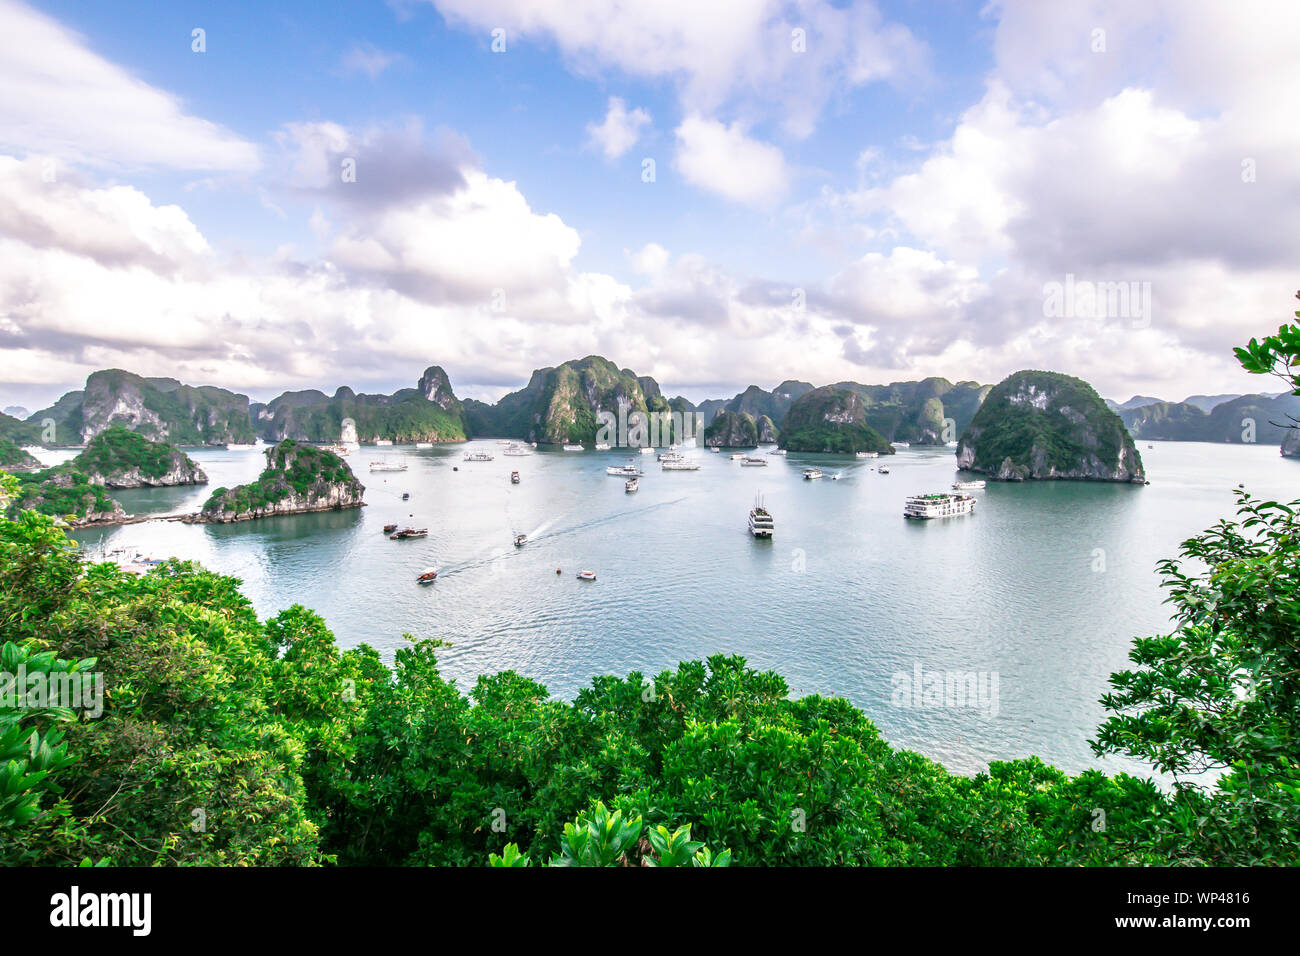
(297, 478)
(15, 459)
(119, 458)
(1035, 425)
(831, 420)
(732, 430)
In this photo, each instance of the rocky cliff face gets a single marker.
(159, 408)
(436, 387)
(429, 412)
(732, 430)
(767, 430)
(298, 479)
(833, 420)
(1291, 444)
(1044, 425)
(68, 495)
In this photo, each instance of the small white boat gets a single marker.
(753, 462)
(514, 477)
(883, 470)
(387, 466)
(383, 441)
(586, 575)
(777, 451)
(520, 540)
(514, 450)
(603, 446)
(715, 449)
(738, 456)
(427, 576)
(680, 464)
(761, 524)
(623, 471)
(812, 474)
(478, 456)
(868, 454)
(671, 456)
(239, 446)
(967, 485)
(573, 448)
(647, 450)
(901, 444)
(338, 448)
(424, 444)
(631, 484)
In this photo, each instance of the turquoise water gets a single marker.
(847, 595)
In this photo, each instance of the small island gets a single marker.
(831, 420)
(1044, 425)
(15, 459)
(298, 479)
(120, 458)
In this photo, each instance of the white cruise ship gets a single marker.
(938, 505)
(671, 456)
(901, 444)
(868, 454)
(478, 456)
(753, 463)
(679, 464)
(761, 524)
(382, 442)
(812, 474)
(387, 466)
(239, 446)
(603, 446)
(967, 485)
(623, 471)
(573, 448)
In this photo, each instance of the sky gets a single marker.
(296, 194)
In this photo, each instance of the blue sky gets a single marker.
(918, 174)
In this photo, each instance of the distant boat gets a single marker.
(939, 505)
(738, 456)
(715, 449)
(239, 446)
(753, 463)
(478, 456)
(812, 474)
(586, 575)
(406, 496)
(967, 485)
(602, 446)
(514, 449)
(389, 528)
(679, 464)
(573, 448)
(623, 471)
(427, 576)
(901, 444)
(761, 524)
(1149, 447)
(835, 476)
(387, 466)
(383, 441)
(671, 456)
(520, 540)
(409, 533)
(631, 484)
(777, 451)
(514, 477)
(648, 450)
(424, 444)
(868, 454)
(883, 470)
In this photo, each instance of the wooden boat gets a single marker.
(406, 496)
(427, 576)
(409, 533)
(389, 528)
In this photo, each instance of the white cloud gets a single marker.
(57, 97)
(369, 59)
(724, 160)
(620, 129)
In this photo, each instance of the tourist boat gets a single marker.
(424, 444)
(503, 441)
(240, 446)
(648, 450)
(738, 456)
(753, 462)
(387, 466)
(777, 451)
(389, 528)
(513, 449)
(341, 448)
(670, 456)
(680, 464)
(520, 540)
(409, 533)
(631, 484)
(623, 471)
(586, 575)
(883, 470)
(573, 448)
(967, 485)
(602, 446)
(812, 474)
(868, 454)
(761, 524)
(406, 496)
(514, 477)
(478, 456)
(901, 444)
(938, 505)
(715, 449)
(383, 441)
(427, 576)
